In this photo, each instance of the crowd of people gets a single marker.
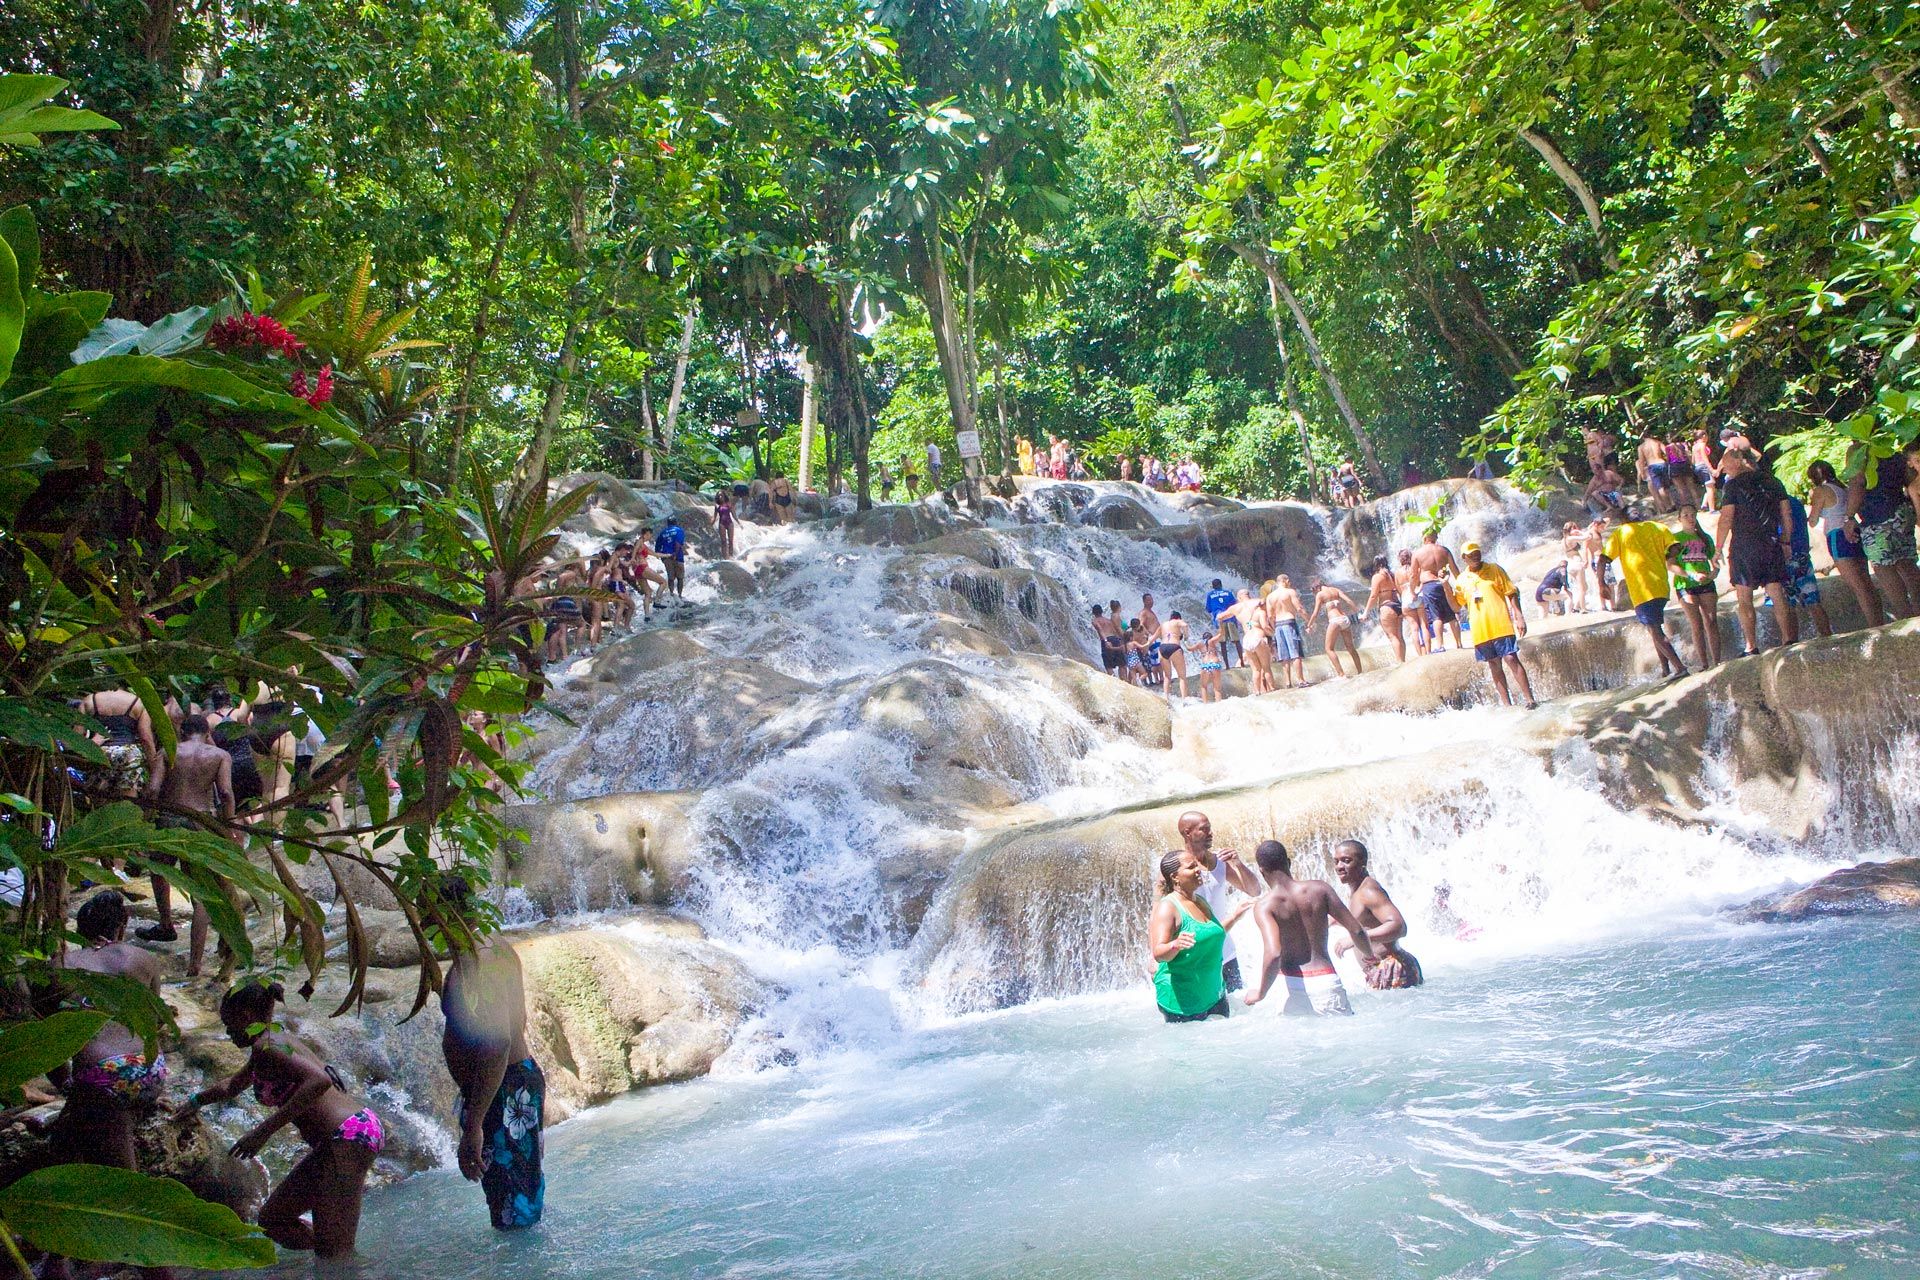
(1266, 627)
(1205, 892)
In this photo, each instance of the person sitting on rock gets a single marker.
(1391, 967)
(342, 1136)
(502, 1089)
(112, 1078)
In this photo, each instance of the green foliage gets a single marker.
(30, 1049)
(25, 115)
(96, 1213)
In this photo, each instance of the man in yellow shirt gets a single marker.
(1495, 621)
(1640, 549)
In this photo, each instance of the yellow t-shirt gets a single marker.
(1483, 593)
(1640, 549)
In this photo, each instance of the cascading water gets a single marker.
(936, 851)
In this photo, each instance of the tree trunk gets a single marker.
(649, 436)
(674, 393)
(821, 311)
(1007, 450)
(1277, 285)
(1289, 391)
(936, 290)
(806, 420)
(464, 404)
(533, 463)
(1567, 174)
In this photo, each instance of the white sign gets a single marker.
(968, 442)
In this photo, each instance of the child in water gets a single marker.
(1210, 665)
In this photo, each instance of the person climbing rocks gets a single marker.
(502, 1089)
(200, 781)
(1340, 615)
(1219, 600)
(1430, 565)
(1496, 622)
(1392, 966)
(112, 1079)
(671, 546)
(342, 1136)
(1113, 647)
(1640, 549)
(1173, 652)
(1287, 613)
(1293, 916)
(1754, 537)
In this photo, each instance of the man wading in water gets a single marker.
(1392, 967)
(503, 1092)
(1222, 871)
(1293, 916)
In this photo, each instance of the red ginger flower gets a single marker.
(249, 330)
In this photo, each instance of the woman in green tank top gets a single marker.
(1187, 944)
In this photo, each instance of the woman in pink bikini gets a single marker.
(342, 1136)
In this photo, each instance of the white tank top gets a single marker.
(1834, 514)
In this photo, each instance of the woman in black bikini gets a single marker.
(1385, 597)
(342, 1136)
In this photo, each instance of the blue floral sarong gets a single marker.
(516, 1188)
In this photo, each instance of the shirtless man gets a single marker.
(1600, 445)
(1173, 651)
(1292, 915)
(1604, 494)
(1224, 870)
(201, 780)
(1393, 967)
(1148, 618)
(1383, 600)
(502, 1089)
(1431, 565)
(1113, 649)
(1287, 612)
(1340, 613)
(1650, 463)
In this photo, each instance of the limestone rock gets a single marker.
(1257, 543)
(617, 1009)
(732, 580)
(621, 662)
(601, 854)
(899, 524)
(1116, 511)
(1871, 886)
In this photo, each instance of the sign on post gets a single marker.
(968, 442)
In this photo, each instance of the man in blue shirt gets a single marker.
(670, 544)
(1218, 601)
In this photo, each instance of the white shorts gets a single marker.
(1316, 993)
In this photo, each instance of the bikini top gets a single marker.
(274, 1093)
(121, 730)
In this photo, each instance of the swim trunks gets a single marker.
(1438, 604)
(1889, 541)
(1392, 972)
(1652, 612)
(512, 1148)
(1230, 631)
(1288, 640)
(1113, 652)
(1316, 991)
(1802, 587)
(127, 1078)
(1501, 647)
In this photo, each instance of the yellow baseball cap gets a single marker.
(1470, 548)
